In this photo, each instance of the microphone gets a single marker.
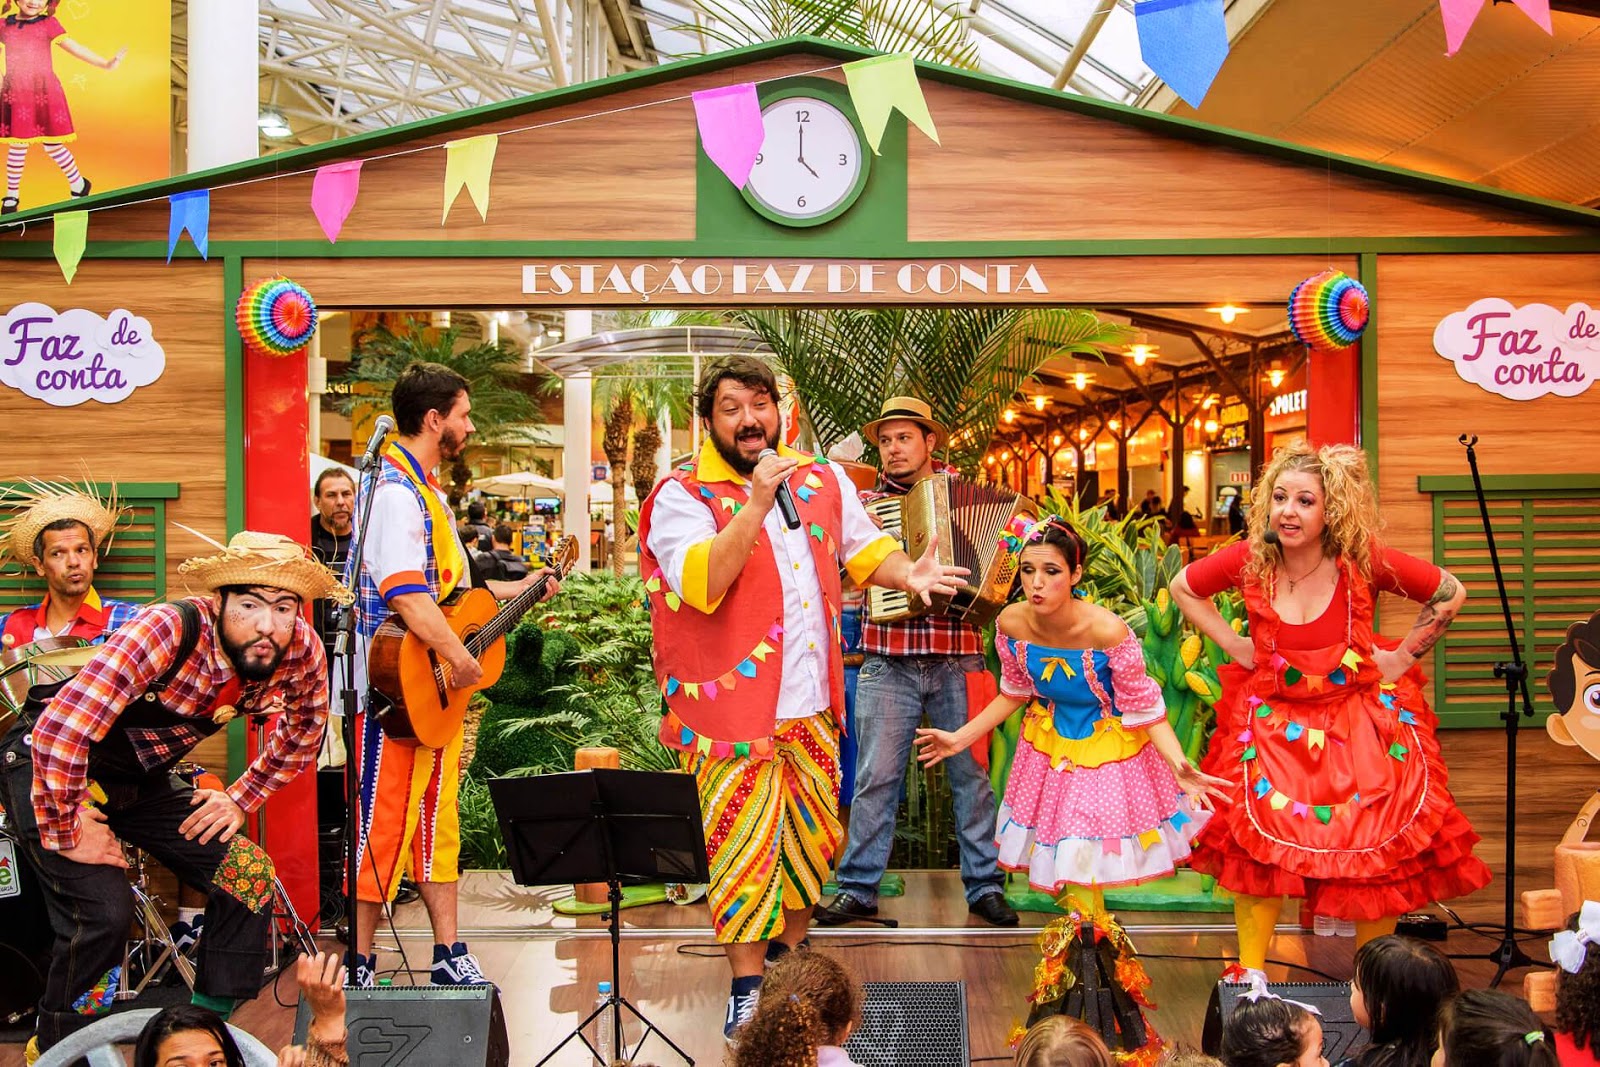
(785, 499)
(380, 430)
(1271, 537)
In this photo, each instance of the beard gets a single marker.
(451, 446)
(250, 664)
(731, 454)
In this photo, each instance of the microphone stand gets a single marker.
(344, 651)
(1508, 953)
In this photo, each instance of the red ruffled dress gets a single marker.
(1340, 795)
(33, 106)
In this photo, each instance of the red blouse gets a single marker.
(1393, 572)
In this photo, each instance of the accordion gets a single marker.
(969, 519)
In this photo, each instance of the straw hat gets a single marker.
(251, 558)
(906, 407)
(37, 504)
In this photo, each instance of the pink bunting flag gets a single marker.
(1254, 701)
(1459, 15)
(1301, 809)
(731, 133)
(1111, 846)
(333, 194)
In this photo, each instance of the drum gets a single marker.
(52, 660)
(25, 935)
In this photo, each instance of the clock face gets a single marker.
(812, 163)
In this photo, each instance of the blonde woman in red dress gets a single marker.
(1339, 792)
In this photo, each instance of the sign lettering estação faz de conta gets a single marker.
(76, 355)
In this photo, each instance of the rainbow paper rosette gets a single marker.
(1328, 311)
(276, 316)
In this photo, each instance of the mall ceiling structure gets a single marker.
(1515, 108)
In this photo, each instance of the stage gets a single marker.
(548, 965)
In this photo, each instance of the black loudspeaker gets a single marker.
(1341, 1034)
(911, 1024)
(421, 1026)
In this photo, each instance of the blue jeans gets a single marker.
(892, 694)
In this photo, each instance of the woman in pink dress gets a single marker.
(33, 106)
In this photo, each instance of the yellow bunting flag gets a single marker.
(1149, 837)
(673, 600)
(468, 162)
(71, 233)
(1316, 738)
(702, 745)
(762, 651)
(883, 84)
(693, 689)
(1352, 658)
(1279, 801)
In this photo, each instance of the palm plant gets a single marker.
(502, 396)
(916, 27)
(966, 362)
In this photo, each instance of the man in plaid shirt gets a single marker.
(93, 765)
(914, 667)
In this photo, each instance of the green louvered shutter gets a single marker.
(1547, 533)
(136, 566)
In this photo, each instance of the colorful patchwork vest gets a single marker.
(721, 673)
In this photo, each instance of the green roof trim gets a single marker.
(360, 145)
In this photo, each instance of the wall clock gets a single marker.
(813, 163)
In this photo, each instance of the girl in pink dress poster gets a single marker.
(33, 104)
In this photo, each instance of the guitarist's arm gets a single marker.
(506, 590)
(424, 619)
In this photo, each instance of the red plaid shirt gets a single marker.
(133, 658)
(929, 635)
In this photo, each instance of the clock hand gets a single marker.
(801, 158)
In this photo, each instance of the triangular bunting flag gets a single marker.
(1324, 813)
(1408, 718)
(469, 162)
(672, 685)
(1111, 846)
(1294, 731)
(693, 689)
(1317, 738)
(333, 194)
(1292, 675)
(729, 119)
(703, 746)
(1351, 659)
(1263, 787)
(1245, 738)
(741, 749)
(1398, 751)
(189, 211)
(761, 652)
(747, 668)
(1184, 42)
(761, 746)
(818, 532)
(1278, 662)
(1301, 809)
(1337, 676)
(1180, 819)
(1278, 802)
(883, 84)
(1149, 838)
(805, 494)
(674, 601)
(1459, 15)
(813, 481)
(1316, 682)
(1249, 754)
(710, 690)
(1386, 700)
(1264, 711)
(70, 236)
(776, 631)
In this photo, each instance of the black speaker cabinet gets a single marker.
(421, 1026)
(1341, 1034)
(911, 1024)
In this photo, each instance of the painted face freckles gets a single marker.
(1296, 509)
(1046, 580)
(257, 626)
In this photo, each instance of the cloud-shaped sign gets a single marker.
(76, 355)
(1522, 353)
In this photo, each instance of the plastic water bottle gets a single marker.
(1326, 926)
(604, 1033)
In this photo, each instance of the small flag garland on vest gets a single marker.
(1340, 675)
(729, 680)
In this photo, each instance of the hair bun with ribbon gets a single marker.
(1569, 948)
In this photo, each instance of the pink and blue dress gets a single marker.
(1089, 801)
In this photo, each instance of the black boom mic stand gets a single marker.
(1508, 954)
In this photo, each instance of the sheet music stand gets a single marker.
(602, 825)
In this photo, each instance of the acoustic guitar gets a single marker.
(425, 709)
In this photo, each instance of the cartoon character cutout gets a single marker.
(33, 105)
(1574, 684)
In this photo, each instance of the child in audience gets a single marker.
(809, 1004)
(1485, 1028)
(1062, 1041)
(1400, 985)
(1272, 1032)
(1578, 988)
(186, 1034)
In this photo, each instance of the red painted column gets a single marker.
(1333, 397)
(278, 500)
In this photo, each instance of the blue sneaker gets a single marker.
(741, 1006)
(456, 966)
(366, 975)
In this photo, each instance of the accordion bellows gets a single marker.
(968, 519)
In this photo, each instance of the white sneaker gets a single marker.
(456, 966)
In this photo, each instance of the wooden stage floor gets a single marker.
(548, 965)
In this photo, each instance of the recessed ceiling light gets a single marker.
(272, 124)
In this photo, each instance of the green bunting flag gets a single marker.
(883, 84)
(71, 234)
